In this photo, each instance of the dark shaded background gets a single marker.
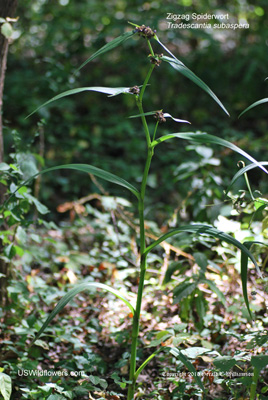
(55, 37)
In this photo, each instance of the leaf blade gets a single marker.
(244, 272)
(100, 89)
(166, 115)
(211, 231)
(108, 46)
(72, 293)
(90, 169)
(215, 289)
(241, 172)
(5, 386)
(183, 290)
(257, 103)
(178, 354)
(137, 373)
(180, 67)
(207, 138)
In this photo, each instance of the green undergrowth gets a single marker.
(193, 300)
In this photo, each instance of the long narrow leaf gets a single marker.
(242, 171)
(215, 288)
(165, 48)
(206, 138)
(137, 373)
(109, 46)
(105, 90)
(143, 114)
(72, 293)
(244, 275)
(180, 67)
(254, 105)
(183, 290)
(202, 229)
(166, 115)
(90, 169)
(244, 271)
(178, 354)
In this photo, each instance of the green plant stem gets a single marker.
(249, 188)
(135, 331)
(136, 317)
(150, 47)
(146, 82)
(155, 129)
(253, 386)
(144, 123)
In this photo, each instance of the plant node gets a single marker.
(155, 59)
(145, 31)
(159, 115)
(134, 90)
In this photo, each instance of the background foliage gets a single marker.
(96, 239)
(54, 39)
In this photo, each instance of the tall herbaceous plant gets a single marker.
(153, 140)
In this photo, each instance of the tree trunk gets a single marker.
(7, 9)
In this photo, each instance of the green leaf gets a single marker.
(4, 167)
(201, 260)
(242, 171)
(200, 304)
(183, 290)
(160, 337)
(178, 354)
(143, 114)
(21, 235)
(90, 169)
(166, 115)
(10, 251)
(172, 268)
(72, 293)
(201, 137)
(224, 363)
(7, 30)
(109, 46)
(194, 352)
(5, 386)
(180, 67)
(105, 90)
(244, 272)
(254, 105)
(143, 365)
(56, 396)
(215, 289)
(41, 208)
(201, 229)
(94, 379)
(42, 344)
(260, 361)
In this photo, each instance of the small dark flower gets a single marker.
(145, 31)
(156, 59)
(134, 90)
(160, 117)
